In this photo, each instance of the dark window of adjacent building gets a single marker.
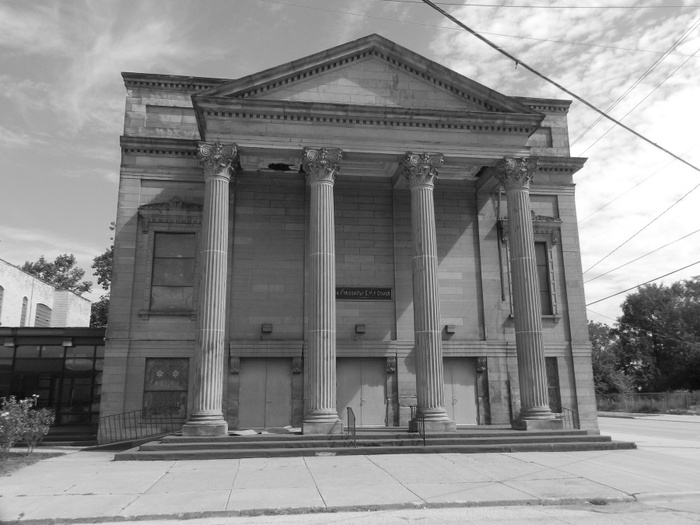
(172, 283)
(542, 259)
(23, 317)
(165, 387)
(42, 318)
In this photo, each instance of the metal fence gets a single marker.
(652, 402)
(139, 424)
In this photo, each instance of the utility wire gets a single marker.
(636, 185)
(646, 73)
(421, 24)
(646, 97)
(643, 228)
(547, 79)
(646, 282)
(661, 336)
(640, 257)
(551, 6)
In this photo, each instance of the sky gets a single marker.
(62, 105)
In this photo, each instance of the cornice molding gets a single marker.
(170, 82)
(349, 115)
(362, 49)
(132, 145)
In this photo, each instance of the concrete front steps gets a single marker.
(374, 441)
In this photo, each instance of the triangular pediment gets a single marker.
(371, 71)
(369, 82)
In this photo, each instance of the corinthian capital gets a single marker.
(516, 172)
(217, 159)
(321, 164)
(421, 168)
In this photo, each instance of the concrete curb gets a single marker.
(327, 510)
(655, 497)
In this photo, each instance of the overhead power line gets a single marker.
(642, 284)
(552, 6)
(640, 257)
(636, 185)
(422, 24)
(554, 83)
(646, 97)
(644, 75)
(643, 228)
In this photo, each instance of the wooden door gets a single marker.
(265, 393)
(362, 386)
(460, 390)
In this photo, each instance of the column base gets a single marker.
(433, 425)
(205, 428)
(322, 427)
(538, 424)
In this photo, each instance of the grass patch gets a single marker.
(18, 460)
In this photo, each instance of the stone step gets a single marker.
(167, 454)
(376, 435)
(300, 442)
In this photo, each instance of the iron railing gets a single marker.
(139, 424)
(567, 415)
(352, 426)
(419, 422)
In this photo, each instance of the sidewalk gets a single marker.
(87, 485)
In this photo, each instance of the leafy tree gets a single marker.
(62, 273)
(607, 375)
(659, 336)
(102, 264)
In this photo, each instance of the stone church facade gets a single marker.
(359, 228)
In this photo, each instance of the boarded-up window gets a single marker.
(42, 317)
(543, 277)
(165, 388)
(23, 318)
(172, 284)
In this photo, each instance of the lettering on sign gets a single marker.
(366, 294)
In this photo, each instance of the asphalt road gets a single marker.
(675, 435)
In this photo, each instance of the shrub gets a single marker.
(20, 421)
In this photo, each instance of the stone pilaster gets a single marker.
(207, 419)
(516, 174)
(321, 167)
(421, 171)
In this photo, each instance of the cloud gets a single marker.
(618, 161)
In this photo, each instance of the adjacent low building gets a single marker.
(359, 229)
(28, 301)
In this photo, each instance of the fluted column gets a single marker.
(321, 167)
(421, 170)
(516, 174)
(207, 417)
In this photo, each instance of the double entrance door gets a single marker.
(265, 393)
(362, 387)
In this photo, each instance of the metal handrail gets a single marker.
(132, 426)
(352, 426)
(568, 416)
(419, 420)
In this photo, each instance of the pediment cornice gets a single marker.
(211, 107)
(369, 47)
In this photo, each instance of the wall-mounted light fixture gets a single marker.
(360, 329)
(450, 329)
(266, 328)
